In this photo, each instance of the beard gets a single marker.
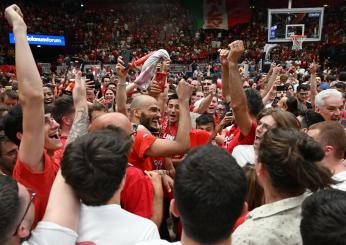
(145, 121)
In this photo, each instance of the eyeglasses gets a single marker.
(33, 195)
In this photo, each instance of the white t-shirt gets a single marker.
(341, 177)
(157, 242)
(244, 154)
(110, 224)
(47, 233)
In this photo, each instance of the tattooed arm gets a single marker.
(81, 118)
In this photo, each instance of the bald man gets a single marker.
(144, 110)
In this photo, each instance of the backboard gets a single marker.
(283, 23)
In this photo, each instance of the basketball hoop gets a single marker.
(297, 42)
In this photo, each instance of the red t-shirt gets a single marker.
(59, 153)
(138, 193)
(234, 137)
(40, 183)
(197, 137)
(143, 141)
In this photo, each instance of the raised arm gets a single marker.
(81, 120)
(30, 94)
(236, 93)
(63, 206)
(205, 103)
(225, 74)
(167, 148)
(272, 79)
(313, 83)
(121, 87)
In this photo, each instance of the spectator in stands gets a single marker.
(267, 119)
(245, 104)
(8, 155)
(30, 124)
(302, 96)
(63, 112)
(331, 135)
(323, 218)
(329, 103)
(61, 217)
(286, 167)
(48, 94)
(9, 98)
(194, 185)
(206, 122)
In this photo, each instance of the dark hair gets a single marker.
(254, 196)
(254, 101)
(172, 97)
(304, 87)
(209, 189)
(342, 76)
(62, 107)
(311, 117)
(94, 164)
(292, 105)
(291, 159)
(3, 139)
(9, 207)
(111, 83)
(324, 218)
(9, 93)
(340, 85)
(333, 134)
(13, 123)
(205, 119)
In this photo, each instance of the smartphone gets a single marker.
(77, 63)
(161, 79)
(281, 88)
(127, 57)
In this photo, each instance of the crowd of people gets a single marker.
(96, 35)
(246, 158)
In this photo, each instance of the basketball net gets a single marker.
(297, 42)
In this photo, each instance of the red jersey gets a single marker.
(59, 153)
(197, 137)
(234, 137)
(40, 183)
(143, 141)
(138, 193)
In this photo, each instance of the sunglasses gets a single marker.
(32, 198)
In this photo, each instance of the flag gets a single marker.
(219, 14)
(215, 14)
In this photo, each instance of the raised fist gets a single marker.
(223, 56)
(184, 90)
(236, 50)
(14, 17)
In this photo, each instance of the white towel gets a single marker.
(149, 68)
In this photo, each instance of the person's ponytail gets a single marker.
(292, 161)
